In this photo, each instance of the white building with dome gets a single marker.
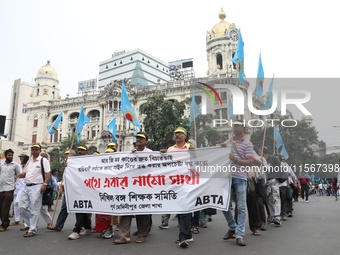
(34, 106)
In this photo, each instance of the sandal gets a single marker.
(140, 239)
(121, 240)
(29, 234)
(203, 225)
(256, 233)
(195, 230)
(15, 223)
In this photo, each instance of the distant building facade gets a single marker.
(34, 106)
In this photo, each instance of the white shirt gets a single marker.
(33, 170)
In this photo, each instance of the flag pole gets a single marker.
(195, 132)
(263, 139)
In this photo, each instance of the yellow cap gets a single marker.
(67, 152)
(180, 130)
(109, 150)
(111, 144)
(96, 153)
(36, 146)
(141, 135)
(81, 147)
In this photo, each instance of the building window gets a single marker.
(234, 65)
(219, 61)
(34, 139)
(55, 136)
(35, 123)
(224, 95)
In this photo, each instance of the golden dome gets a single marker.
(220, 28)
(47, 71)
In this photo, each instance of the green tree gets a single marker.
(57, 154)
(206, 135)
(297, 140)
(162, 117)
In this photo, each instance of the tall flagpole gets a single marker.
(195, 133)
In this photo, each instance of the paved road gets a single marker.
(314, 229)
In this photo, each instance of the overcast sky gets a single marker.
(297, 39)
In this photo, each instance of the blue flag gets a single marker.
(52, 128)
(113, 129)
(279, 143)
(194, 110)
(127, 109)
(238, 58)
(82, 120)
(260, 79)
(230, 109)
(269, 100)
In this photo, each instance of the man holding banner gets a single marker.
(185, 235)
(143, 220)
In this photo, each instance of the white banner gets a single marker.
(148, 182)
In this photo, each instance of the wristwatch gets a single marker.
(45, 183)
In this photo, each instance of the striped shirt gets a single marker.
(246, 150)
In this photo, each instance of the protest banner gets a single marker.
(129, 183)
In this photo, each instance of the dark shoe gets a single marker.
(24, 228)
(240, 242)
(277, 221)
(2, 229)
(183, 244)
(230, 235)
(263, 228)
(289, 214)
(284, 218)
(54, 228)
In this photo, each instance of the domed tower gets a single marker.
(221, 46)
(46, 84)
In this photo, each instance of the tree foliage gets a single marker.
(298, 141)
(162, 117)
(207, 135)
(57, 154)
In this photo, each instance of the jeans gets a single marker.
(184, 226)
(283, 198)
(30, 206)
(304, 190)
(239, 186)
(62, 214)
(195, 219)
(335, 193)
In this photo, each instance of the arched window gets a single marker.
(219, 61)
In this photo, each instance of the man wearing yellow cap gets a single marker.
(143, 221)
(36, 183)
(185, 235)
(112, 145)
